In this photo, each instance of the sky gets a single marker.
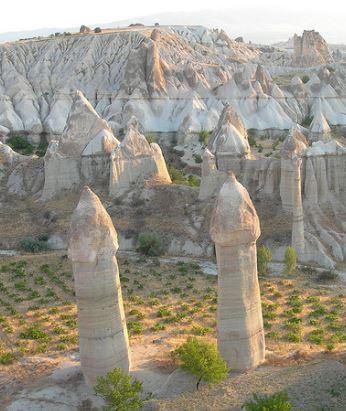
(20, 15)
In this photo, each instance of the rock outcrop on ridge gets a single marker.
(310, 50)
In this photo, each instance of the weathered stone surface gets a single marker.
(229, 139)
(319, 128)
(234, 229)
(93, 244)
(86, 136)
(310, 49)
(292, 148)
(134, 161)
(298, 239)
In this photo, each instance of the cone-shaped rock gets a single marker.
(229, 137)
(136, 160)
(319, 128)
(234, 230)
(93, 244)
(85, 134)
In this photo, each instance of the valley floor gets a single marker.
(165, 302)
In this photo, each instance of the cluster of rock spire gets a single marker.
(103, 336)
(88, 153)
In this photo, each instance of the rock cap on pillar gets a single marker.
(234, 220)
(92, 233)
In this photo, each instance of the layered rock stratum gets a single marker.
(173, 78)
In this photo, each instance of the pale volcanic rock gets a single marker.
(212, 178)
(310, 49)
(293, 147)
(229, 139)
(319, 128)
(298, 238)
(135, 161)
(152, 75)
(93, 245)
(87, 139)
(234, 229)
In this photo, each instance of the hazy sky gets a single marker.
(31, 14)
(258, 20)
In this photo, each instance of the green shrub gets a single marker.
(307, 121)
(252, 141)
(193, 181)
(202, 360)
(164, 312)
(198, 158)
(33, 333)
(97, 30)
(264, 257)
(119, 391)
(20, 144)
(7, 358)
(32, 245)
(290, 259)
(203, 137)
(199, 330)
(275, 402)
(41, 149)
(293, 337)
(150, 244)
(327, 275)
(134, 327)
(305, 79)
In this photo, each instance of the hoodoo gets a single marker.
(234, 230)
(93, 244)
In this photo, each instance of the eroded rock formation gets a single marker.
(234, 228)
(310, 50)
(93, 243)
(292, 148)
(81, 154)
(134, 161)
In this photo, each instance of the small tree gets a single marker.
(119, 391)
(264, 257)
(97, 30)
(202, 360)
(150, 244)
(290, 259)
(305, 79)
(275, 402)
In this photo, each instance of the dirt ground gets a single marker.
(165, 302)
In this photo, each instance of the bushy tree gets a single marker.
(32, 245)
(275, 402)
(203, 137)
(150, 244)
(305, 79)
(264, 257)
(20, 144)
(119, 391)
(202, 360)
(290, 259)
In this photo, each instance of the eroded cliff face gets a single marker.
(174, 78)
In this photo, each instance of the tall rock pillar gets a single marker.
(298, 242)
(93, 244)
(234, 230)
